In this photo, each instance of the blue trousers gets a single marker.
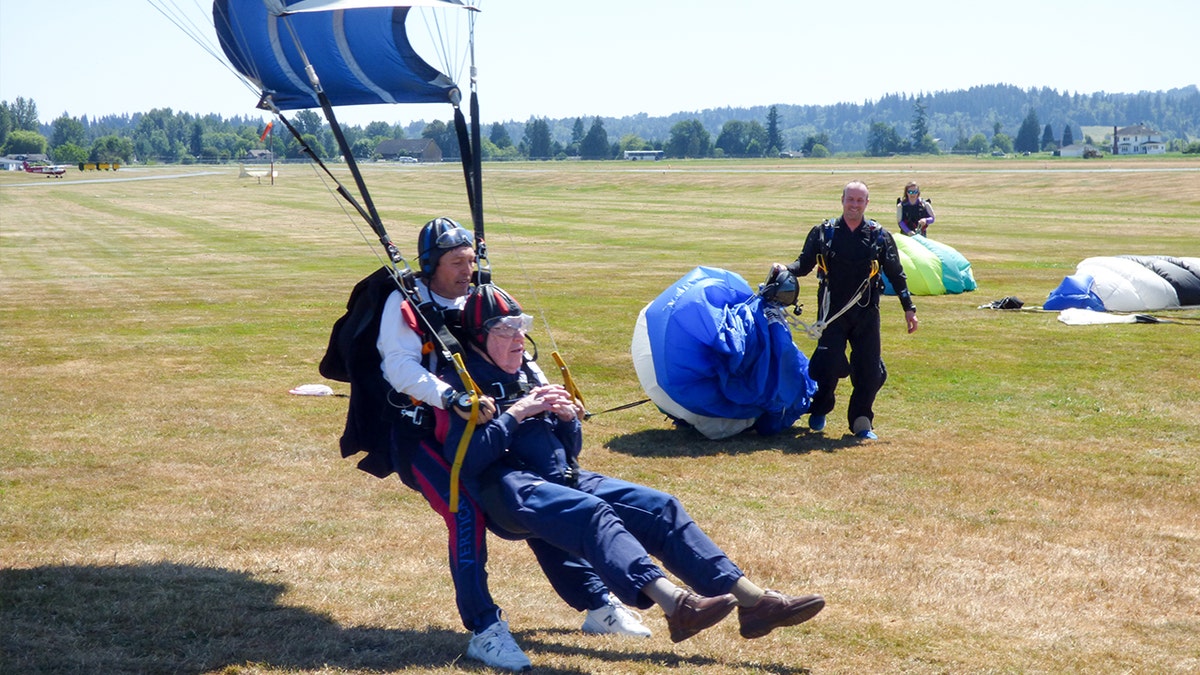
(616, 526)
(573, 579)
(860, 328)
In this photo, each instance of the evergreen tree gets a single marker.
(1068, 138)
(1027, 135)
(499, 136)
(537, 139)
(595, 144)
(920, 124)
(774, 138)
(6, 122)
(577, 132)
(195, 144)
(1048, 139)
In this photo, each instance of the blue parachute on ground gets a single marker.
(932, 268)
(1129, 283)
(711, 353)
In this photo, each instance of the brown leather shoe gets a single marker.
(695, 612)
(776, 610)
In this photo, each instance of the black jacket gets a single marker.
(353, 357)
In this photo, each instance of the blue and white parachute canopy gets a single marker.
(931, 267)
(707, 352)
(360, 50)
(1129, 283)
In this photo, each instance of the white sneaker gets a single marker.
(616, 619)
(495, 647)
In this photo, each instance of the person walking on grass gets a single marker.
(849, 253)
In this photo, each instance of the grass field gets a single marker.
(1033, 505)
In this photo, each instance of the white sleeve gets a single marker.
(400, 348)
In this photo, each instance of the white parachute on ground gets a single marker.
(1129, 283)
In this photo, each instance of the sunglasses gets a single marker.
(508, 327)
(914, 192)
(454, 238)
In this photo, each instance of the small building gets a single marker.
(1077, 150)
(1138, 140)
(638, 155)
(259, 156)
(423, 149)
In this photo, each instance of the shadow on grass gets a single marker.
(665, 659)
(164, 617)
(687, 442)
(185, 619)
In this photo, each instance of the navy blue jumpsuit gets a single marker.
(848, 256)
(615, 525)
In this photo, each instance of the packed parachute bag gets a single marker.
(1007, 302)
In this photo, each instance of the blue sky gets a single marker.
(623, 57)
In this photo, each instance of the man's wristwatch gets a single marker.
(460, 400)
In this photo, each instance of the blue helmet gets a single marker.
(436, 238)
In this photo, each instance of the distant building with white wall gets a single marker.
(1139, 140)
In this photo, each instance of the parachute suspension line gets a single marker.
(189, 26)
(371, 214)
(568, 380)
(476, 143)
(267, 104)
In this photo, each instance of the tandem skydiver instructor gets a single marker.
(849, 253)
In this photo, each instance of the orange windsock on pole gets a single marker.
(266, 130)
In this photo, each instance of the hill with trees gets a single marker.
(974, 120)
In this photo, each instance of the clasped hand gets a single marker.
(552, 398)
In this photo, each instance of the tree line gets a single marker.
(976, 121)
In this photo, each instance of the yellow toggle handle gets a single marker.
(568, 381)
(461, 453)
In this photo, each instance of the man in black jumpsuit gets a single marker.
(851, 252)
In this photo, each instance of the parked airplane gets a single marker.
(49, 170)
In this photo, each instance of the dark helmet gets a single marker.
(436, 238)
(484, 305)
(781, 288)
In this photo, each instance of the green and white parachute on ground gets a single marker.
(932, 268)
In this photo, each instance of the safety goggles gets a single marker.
(508, 327)
(454, 238)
